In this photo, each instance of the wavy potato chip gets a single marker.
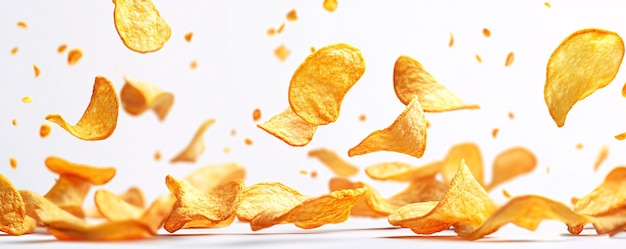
(411, 80)
(606, 198)
(402, 172)
(114, 208)
(473, 159)
(254, 199)
(100, 118)
(140, 26)
(511, 163)
(320, 83)
(138, 96)
(290, 128)
(94, 175)
(196, 147)
(208, 177)
(371, 204)
(335, 163)
(108, 231)
(407, 134)
(584, 62)
(13, 219)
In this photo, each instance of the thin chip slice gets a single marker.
(99, 119)
(12, 210)
(44, 130)
(108, 231)
(473, 159)
(606, 198)
(192, 204)
(371, 204)
(511, 163)
(114, 208)
(36, 70)
(290, 128)
(13, 162)
(61, 48)
(584, 62)
(73, 56)
(208, 177)
(254, 199)
(402, 172)
(292, 16)
(282, 52)
(320, 83)
(411, 80)
(602, 155)
(509, 59)
(46, 212)
(407, 134)
(335, 163)
(188, 36)
(196, 147)
(14, 122)
(138, 96)
(330, 5)
(140, 25)
(451, 42)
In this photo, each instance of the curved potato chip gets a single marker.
(192, 204)
(602, 155)
(12, 210)
(511, 163)
(335, 163)
(108, 231)
(606, 198)
(73, 56)
(140, 25)
(424, 189)
(46, 212)
(195, 148)
(114, 208)
(362, 207)
(254, 199)
(290, 128)
(402, 172)
(208, 177)
(157, 212)
(411, 80)
(132, 196)
(94, 175)
(584, 62)
(472, 156)
(100, 118)
(138, 96)
(608, 223)
(407, 134)
(320, 83)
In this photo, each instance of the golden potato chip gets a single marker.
(254, 199)
(27, 99)
(371, 204)
(292, 16)
(256, 115)
(208, 177)
(451, 42)
(402, 172)
(424, 189)
(330, 5)
(100, 118)
(282, 52)
(466, 205)
(584, 62)
(609, 223)
(411, 80)
(22, 25)
(494, 132)
(73, 56)
(195, 148)
(14, 50)
(290, 128)
(320, 83)
(44, 130)
(140, 26)
(46, 212)
(280, 28)
(480, 60)
(215, 206)
(132, 196)
(94, 175)
(606, 198)
(271, 31)
(473, 159)
(335, 163)
(314, 212)
(61, 48)
(509, 59)
(108, 231)
(13, 162)
(138, 96)
(511, 163)
(602, 155)
(248, 141)
(157, 212)
(407, 134)
(188, 36)
(36, 70)
(620, 136)
(114, 208)
(193, 64)
(12, 210)
(486, 32)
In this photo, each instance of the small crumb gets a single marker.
(282, 52)
(548, 170)
(304, 172)
(330, 5)
(61, 48)
(188, 36)
(486, 32)
(14, 50)
(22, 25)
(427, 124)
(313, 50)
(574, 200)
(248, 141)
(362, 117)
(36, 70)
(480, 60)
(271, 31)
(27, 99)
(226, 150)
(511, 115)
(193, 65)
(13, 162)
(313, 174)
(494, 132)
(14, 122)
(620, 136)
(44, 130)
(509, 59)
(506, 193)
(233, 132)
(579, 146)
(157, 155)
(73, 56)
(547, 4)
(256, 115)
(281, 28)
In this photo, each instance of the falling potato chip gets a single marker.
(138, 96)
(46, 212)
(411, 80)
(14, 50)
(290, 128)
(36, 70)
(107, 231)
(73, 56)
(402, 172)
(208, 177)
(406, 135)
(13, 219)
(509, 59)
(61, 48)
(371, 204)
(606, 198)
(602, 155)
(620, 136)
(195, 148)
(479, 59)
(194, 205)
(256, 115)
(99, 119)
(330, 5)
(140, 25)
(44, 130)
(466, 206)
(335, 163)
(320, 83)
(254, 199)
(13, 162)
(114, 208)
(95, 175)
(511, 163)
(494, 132)
(584, 62)
(451, 42)
(486, 32)
(282, 52)
(473, 159)
(132, 196)
(22, 25)
(188, 36)
(292, 16)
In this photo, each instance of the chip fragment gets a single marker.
(282, 52)
(335, 163)
(292, 16)
(478, 58)
(486, 32)
(139, 96)
(36, 70)
(330, 5)
(509, 59)
(99, 119)
(602, 155)
(61, 48)
(13, 219)
(44, 130)
(22, 25)
(73, 56)
(256, 115)
(584, 62)
(196, 147)
(621, 136)
(511, 163)
(140, 26)
(290, 128)
(188, 36)
(14, 50)
(13, 162)
(451, 42)
(27, 99)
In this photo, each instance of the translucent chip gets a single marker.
(140, 25)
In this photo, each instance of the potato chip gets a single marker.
(12, 210)
(466, 206)
(473, 159)
(61, 48)
(331, 208)
(609, 223)
(100, 118)
(196, 147)
(14, 50)
(208, 177)
(486, 32)
(606, 198)
(478, 58)
(44, 130)
(292, 16)
(94, 175)
(290, 128)
(73, 56)
(371, 204)
(584, 62)
(335, 163)
(138, 96)
(22, 25)
(407, 134)
(215, 206)
(422, 190)
(282, 52)
(140, 26)
(402, 172)
(494, 132)
(620, 136)
(36, 70)
(27, 99)
(188, 36)
(13, 162)
(511, 163)
(46, 212)
(157, 212)
(108, 231)
(451, 42)
(411, 80)
(330, 5)
(509, 59)
(193, 64)
(602, 155)
(114, 208)
(254, 199)
(320, 83)
(256, 115)
(132, 196)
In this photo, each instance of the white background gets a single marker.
(237, 72)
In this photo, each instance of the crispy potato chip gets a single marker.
(14, 50)
(371, 204)
(407, 134)
(215, 206)
(46, 212)
(132, 196)
(509, 59)
(332, 208)
(606, 198)
(140, 25)
(138, 96)
(100, 118)
(527, 212)
(208, 177)
(292, 16)
(472, 156)
(330, 5)
(13, 219)
(254, 199)
(602, 155)
(108, 231)
(620, 136)
(335, 163)
(494, 132)
(411, 80)
(13, 162)
(290, 128)
(402, 172)
(114, 208)
(486, 32)
(256, 115)
(511, 163)
(44, 130)
(61, 48)
(36, 70)
(157, 212)
(195, 148)
(188, 36)
(22, 25)
(584, 62)
(282, 52)
(480, 60)
(320, 83)
(466, 205)
(73, 56)
(313, 174)
(451, 42)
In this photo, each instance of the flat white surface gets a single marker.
(237, 72)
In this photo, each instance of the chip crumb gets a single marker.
(233, 132)
(620, 136)
(511, 115)
(602, 155)
(73, 56)
(13, 162)
(280, 28)
(226, 150)
(282, 52)
(14, 50)
(506, 193)
(44, 130)
(292, 16)
(27, 99)
(312, 49)
(427, 124)
(547, 4)
(574, 200)
(22, 25)
(547, 169)
(451, 42)
(188, 36)
(36, 70)
(579, 146)
(486, 32)
(271, 31)
(313, 174)
(362, 118)
(256, 115)
(330, 5)
(480, 60)
(509, 59)
(14, 122)
(303, 172)
(61, 48)
(248, 141)
(157, 155)
(193, 65)
(494, 132)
